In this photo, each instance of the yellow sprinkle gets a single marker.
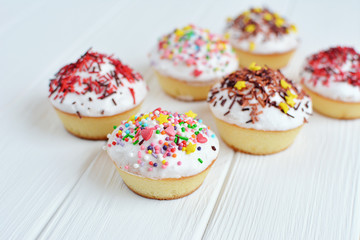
(246, 13)
(184, 149)
(290, 94)
(191, 114)
(119, 132)
(190, 148)
(250, 28)
(252, 46)
(188, 27)
(268, 17)
(284, 107)
(229, 19)
(227, 36)
(258, 10)
(162, 118)
(276, 15)
(284, 84)
(132, 118)
(293, 28)
(279, 22)
(163, 161)
(149, 151)
(253, 67)
(179, 32)
(240, 85)
(290, 101)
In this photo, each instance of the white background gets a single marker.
(56, 186)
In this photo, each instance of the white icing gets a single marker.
(214, 68)
(280, 43)
(126, 157)
(122, 97)
(271, 118)
(336, 90)
(271, 45)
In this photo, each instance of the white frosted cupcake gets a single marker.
(163, 155)
(189, 60)
(262, 36)
(258, 110)
(93, 94)
(332, 79)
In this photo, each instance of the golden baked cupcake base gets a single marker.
(186, 91)
(333, 108)
(275, 61)
(163, 189)
(252, 141)
(93, 128)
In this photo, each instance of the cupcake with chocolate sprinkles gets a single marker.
(258, 110)
(162, 154)
(93, 94)
(332, 79)
(190, 60)
(262, 36)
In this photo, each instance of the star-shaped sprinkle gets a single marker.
(240, 85)
(162, 118)
(284, 107)
(253, 67)
(191, 114)
(190, 148)
(284, 84)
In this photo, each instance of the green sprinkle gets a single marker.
(183, 129)
(175, 139)
(131, 136)
(199, 159)
(115, 127)
(182, 138)
(197, 132)
(157, 131)
(200, 129)
(134, 143)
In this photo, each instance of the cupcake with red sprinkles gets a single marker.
(189, 60)
(163, 155)
(332, 79)
(94, 93)
(262, 36)
(258, 110)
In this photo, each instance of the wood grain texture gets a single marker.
(55, 186)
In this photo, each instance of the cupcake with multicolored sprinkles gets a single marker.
(332, 79)
(190, 60)
(258, 110)
(93, 94)
(163, 155)
(262, 36)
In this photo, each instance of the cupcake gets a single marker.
(96, 92)
(190, 60)
(258, 110)
(163, 155)
(264, 37)
(332, 79)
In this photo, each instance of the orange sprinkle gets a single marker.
(162, 132)
(174, 155)
(166, 143)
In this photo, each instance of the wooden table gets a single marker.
(56, 186)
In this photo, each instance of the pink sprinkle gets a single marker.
(109, 145)
(131, 130)
(142, 147)
(163, 166)
(152, 144)
(173, 143)
(171, 138)
(139, 161)
(139, 154)
(150, 169)
(157, 147)
(179, 163)
(167, 163)
(160, 142)
(126, 167)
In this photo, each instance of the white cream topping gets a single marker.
(90, 105)
(272, 44)
(205, 52)
(336, 90)
(271, 118)
(133, 159)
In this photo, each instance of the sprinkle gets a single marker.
(250, 28)
(240, 85)
(179, 163)
(191, 114)
(162, 119)
(252, 46)
(284, 84)
(284, 107)
(213, 148)
(254, 67)
(190, 148)
(199, 159)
